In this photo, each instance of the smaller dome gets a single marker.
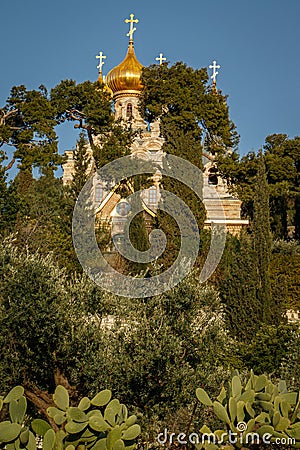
(107, 89)
(127, 75)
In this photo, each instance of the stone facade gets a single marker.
(124, 83)
(221, 207)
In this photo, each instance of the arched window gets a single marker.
(152, 195)
(129, 111)
(212, 176)
(99, 194)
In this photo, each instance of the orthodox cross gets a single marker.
(161, 59)
(101, 57)
(132, 28)
(214, 67)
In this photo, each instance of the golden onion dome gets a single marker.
(101, 79)
(127, 75)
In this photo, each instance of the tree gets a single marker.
(192, 117)
(269, 348)
(3, 195)
(188, 110)
(238, 288)
(153, 352)
(27, 123)
(284, 275)
(282, 156)
(40, 211)
(87, 104)
(262, 241)
(59, 331)
(44, 323)
(82, 163)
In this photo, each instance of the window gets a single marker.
(129, 111)
(212, 177)
(152, 195)
(99, 194)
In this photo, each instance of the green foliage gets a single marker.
(45, 319)
(138, 233)
(290, 364)
(163, 347)
(32, 295)
(248, 267)
(282, 156)
(262, 241)
(284, 275)
(82, 163)
(41, 213)
(153, 355)
(238, 288)
(282, 160)
(155, 351)
(187, 108)
(3, 194)
(87, 103)
(115, 143)
(28, 121)
(262, 407)
(268, 348)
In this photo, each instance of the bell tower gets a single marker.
(124, 81)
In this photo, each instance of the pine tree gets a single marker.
(188, 111)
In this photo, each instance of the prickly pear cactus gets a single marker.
(102, 423)
(250, 412)
(14, 434)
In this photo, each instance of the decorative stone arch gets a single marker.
(141, 154)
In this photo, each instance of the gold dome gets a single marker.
(127, 75)
(106, 88)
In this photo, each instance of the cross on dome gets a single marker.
(132, 29)
(101, 58)
(214, 67)
(161, 59)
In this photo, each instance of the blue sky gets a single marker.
(256, 42)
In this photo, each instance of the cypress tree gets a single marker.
(238, 288)
(81, 165)
(262, 239)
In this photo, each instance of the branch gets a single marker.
(42, 400)
(74, 114)
(5, 116)
(90, 136)
(60, 378)
(9, 166)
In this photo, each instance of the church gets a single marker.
(124, 84)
